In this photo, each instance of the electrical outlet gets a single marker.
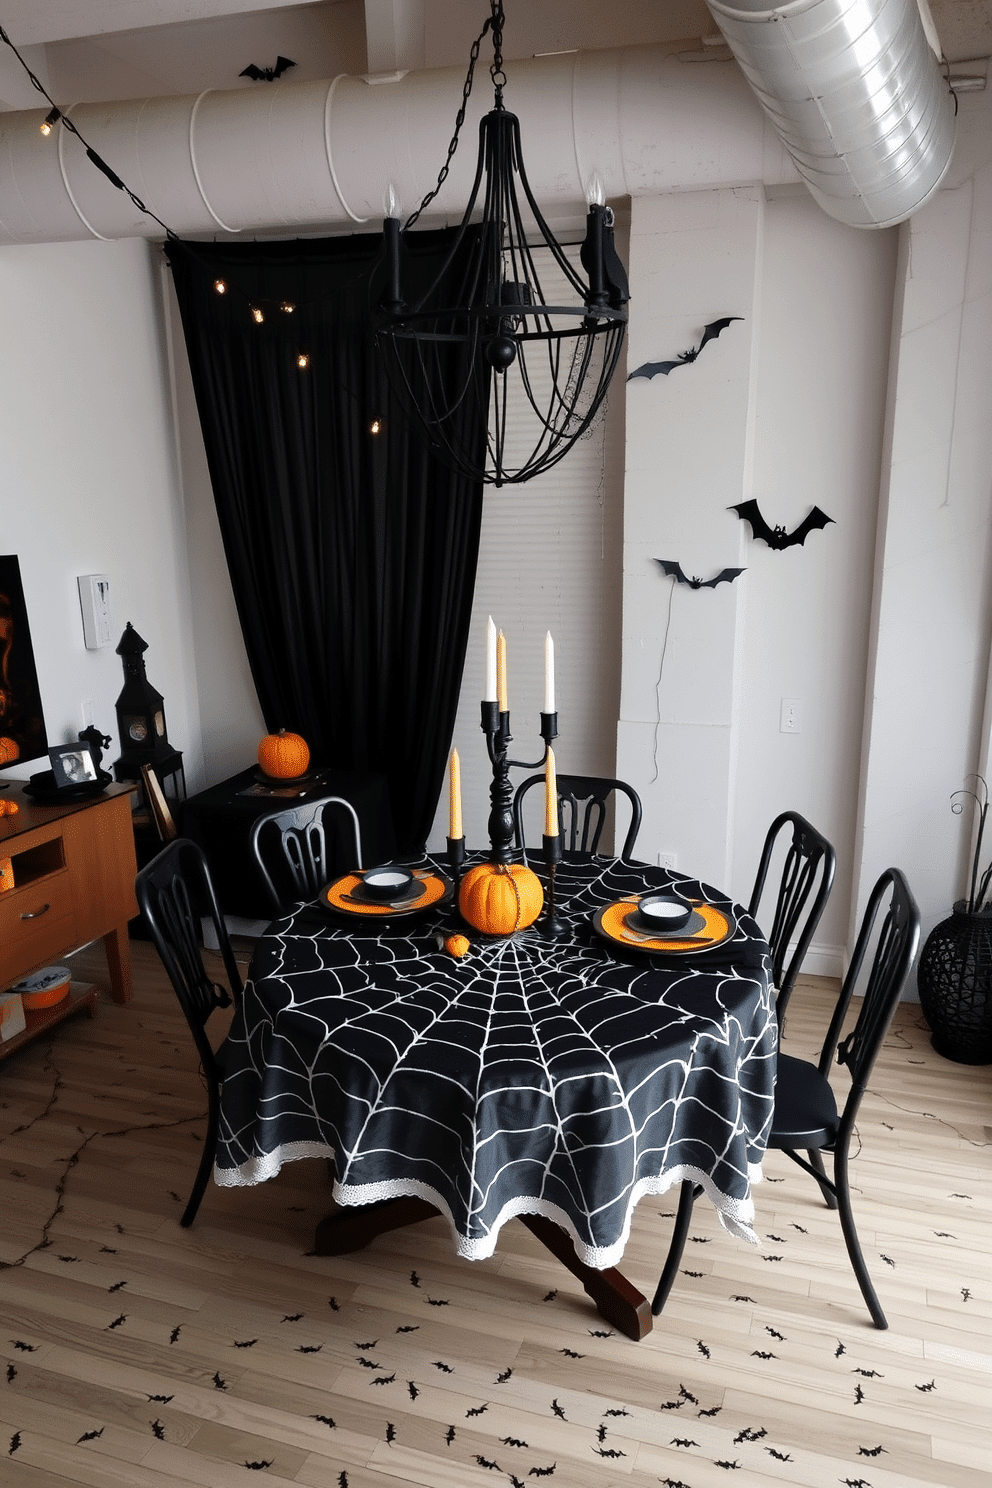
(791, 716)
(667, 860)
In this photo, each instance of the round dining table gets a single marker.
(558, 1078)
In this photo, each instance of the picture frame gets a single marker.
(73, 765)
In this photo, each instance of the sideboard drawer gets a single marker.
(33, 920)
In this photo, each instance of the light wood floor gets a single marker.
(139, 1354)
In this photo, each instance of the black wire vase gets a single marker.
(955, 984)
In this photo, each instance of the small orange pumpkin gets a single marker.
(457, 946)
(9, 749)
(284, 755)
(8, 808)
(498, 898)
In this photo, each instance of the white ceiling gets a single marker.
(89, 50)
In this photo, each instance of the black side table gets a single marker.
(220, 820)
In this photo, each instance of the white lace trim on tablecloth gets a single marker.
(736, 1215)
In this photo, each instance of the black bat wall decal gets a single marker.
(684, 358)
(776, 537)
(674, 571)
(267, 74)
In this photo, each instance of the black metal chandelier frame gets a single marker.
(492, 314)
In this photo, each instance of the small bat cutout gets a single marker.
(267, 74)
(684, 358)
(776, 537)
(674, 571)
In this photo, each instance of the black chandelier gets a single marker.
(486, 338)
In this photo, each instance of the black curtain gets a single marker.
(352, 549)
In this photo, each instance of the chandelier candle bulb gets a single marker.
(501, 700)
(455, 796)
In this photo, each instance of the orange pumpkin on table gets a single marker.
(9, 749)
(499, 898)
(8, 808)
(284, 755)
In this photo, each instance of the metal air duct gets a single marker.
(855, 93)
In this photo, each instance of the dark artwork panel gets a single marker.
(21, 717)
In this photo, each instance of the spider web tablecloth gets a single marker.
(541, 1076)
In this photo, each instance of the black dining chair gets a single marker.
(806, 1116)
(174, 894)
(582, 803)
(292, 848)
(809, 864)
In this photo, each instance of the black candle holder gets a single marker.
(496, 727)
(552, 923)
(456, 857)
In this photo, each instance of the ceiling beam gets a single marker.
(28, 21)
(394, 35)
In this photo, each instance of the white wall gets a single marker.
(785, 406)
(88, 481)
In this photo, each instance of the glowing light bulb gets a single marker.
(375, 427)
(220, 286)
(287, 307)
(303, 361)
(257, 314)
(50, 120)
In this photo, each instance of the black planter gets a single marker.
(955, 982)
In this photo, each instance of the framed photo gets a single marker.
(158, 805)
(73, 764)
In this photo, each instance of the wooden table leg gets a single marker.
(118, 952)
(616, 1299)
(355, 1226)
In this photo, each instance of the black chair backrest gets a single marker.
(809, 856)
(174, 893)
(292, 848)
(582, 801)
(895, 945)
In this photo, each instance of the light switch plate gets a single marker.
(94, 602)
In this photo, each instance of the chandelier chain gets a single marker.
(459, 121)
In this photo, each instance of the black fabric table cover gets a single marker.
(220, 818)
(562, 1077)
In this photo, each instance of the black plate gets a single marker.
(277, 780)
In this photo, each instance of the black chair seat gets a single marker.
(805, 1108)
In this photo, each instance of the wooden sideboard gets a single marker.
(74, 869)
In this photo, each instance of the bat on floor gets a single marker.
(267, 74)
(776, 537)
(684, 358)
(674, 571)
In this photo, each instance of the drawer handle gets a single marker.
(37, 913)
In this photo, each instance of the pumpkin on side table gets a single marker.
(499, 898)
(284, 756)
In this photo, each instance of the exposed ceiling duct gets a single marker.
(855, 93)
(851, 91)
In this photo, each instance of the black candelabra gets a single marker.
(496, 727)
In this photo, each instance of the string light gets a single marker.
(287, 307)
(303, 361)
(50, 120)
(257, 314)
(220, 286)
(375, 427)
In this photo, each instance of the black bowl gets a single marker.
(387, 882)
(665, 912)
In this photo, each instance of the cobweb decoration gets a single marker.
(536, 1076)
